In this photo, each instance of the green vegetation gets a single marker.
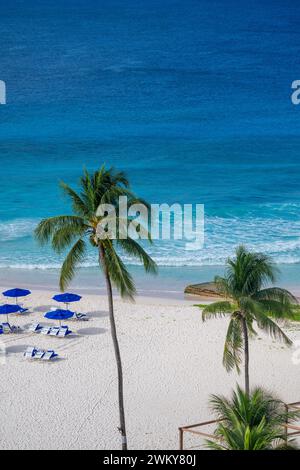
(251, 422)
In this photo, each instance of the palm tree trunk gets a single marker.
(122, 427)
(246, 350)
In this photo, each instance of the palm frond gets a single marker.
(276, 309)
(276, 293)
(47, 228)
(88, 193)
(223, 286)
(233, 350)
(78, 204)
(217, 309)
(248, 272)
(118, 272)
(132, 248)
(248, 305)
(64, 236)
(262, 271)
(214, 445)
(113, 193)
(269, 326)
(118, 178)
(74, 257)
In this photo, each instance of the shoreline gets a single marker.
(169, 284)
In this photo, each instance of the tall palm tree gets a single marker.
(249, 300)
(100, 188)
(251, 422)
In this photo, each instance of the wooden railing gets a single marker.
(194, 428)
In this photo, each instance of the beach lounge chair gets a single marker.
(54, 331)
(64, 331)
(35, 328)
(45, 330)
(39, 353)
(49, 355)
(23, 310)
(81, 316)
(6, 328)
(30, 352)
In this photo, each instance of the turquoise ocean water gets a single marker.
(191, 99)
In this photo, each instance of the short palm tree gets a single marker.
(74, 231)
(249, 301)
(250, 422)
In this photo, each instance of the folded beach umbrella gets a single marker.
(59, 315)
(16, 293)
(7, 308)
(67, 298)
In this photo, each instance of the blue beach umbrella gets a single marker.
(59, 315)
(67, 298)
(7, 308)
(16, 293)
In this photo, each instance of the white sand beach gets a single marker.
(172, 363)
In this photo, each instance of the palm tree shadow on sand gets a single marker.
(17, 349)
(42, 308)
(91, 331)
(97, 314)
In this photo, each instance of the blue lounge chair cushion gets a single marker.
(50, 354)
(30, 352)
(35, 327)
(6, 328)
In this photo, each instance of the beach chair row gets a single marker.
(40, 354)
(59, 331)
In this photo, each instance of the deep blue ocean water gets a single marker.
(191, 99)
